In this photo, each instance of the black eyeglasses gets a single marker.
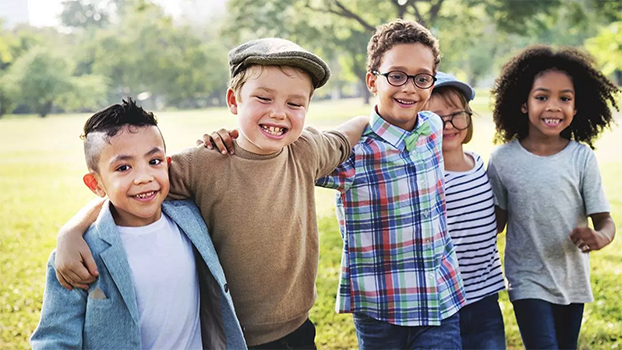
(459, 120)
(398, 78)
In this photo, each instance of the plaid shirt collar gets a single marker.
(390, 133)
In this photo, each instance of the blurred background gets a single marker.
(59, 56)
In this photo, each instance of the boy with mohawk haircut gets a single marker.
(259, 204)
(148, 293)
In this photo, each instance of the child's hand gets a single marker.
(586, 239)
(74, 262)
(221, 139)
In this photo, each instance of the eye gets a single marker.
(123, 168)
(263, 99)
(295, 105)
(396, 75)
(156, 161)
(566, 98)
(541, 98)
(423, 78)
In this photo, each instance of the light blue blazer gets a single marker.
(76, 319)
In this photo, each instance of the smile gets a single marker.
(145, 195)
(405, 102)
(273, 130)
(551, 121)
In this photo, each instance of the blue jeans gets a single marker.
(544, 325)
(481, 325)
(374, 334)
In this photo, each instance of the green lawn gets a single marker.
(41, 168)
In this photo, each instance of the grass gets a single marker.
(41, 168)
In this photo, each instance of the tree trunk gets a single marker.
(45, 109)
(365, 90)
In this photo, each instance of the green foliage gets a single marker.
(37, 80)
(83, 14)
(607, 48)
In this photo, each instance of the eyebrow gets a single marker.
(121, 157)
(548, 90)
(404, 69)
(274, 91)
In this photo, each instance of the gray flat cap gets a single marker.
(275, 52)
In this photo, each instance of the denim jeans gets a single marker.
(544, 325)
(481, 325)
(374, 334)
(303, 338)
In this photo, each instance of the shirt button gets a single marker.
(430, 276)
(226, 288)
(426, 213)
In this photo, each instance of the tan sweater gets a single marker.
(260, 211)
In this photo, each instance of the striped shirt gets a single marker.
(398, 263)
(473, 228)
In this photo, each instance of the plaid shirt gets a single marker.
(398, 263)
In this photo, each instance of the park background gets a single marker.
(51, 78)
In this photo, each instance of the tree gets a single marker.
(37, 80)
(351, 22)
(84, 14)
(607, 48)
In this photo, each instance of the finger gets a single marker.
(219, 144)
(234, 133)
(228, 142)
(63, 282)
(207, 141)
(89, 262)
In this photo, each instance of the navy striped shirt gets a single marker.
(473, 229)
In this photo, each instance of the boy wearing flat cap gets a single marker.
(259, 203)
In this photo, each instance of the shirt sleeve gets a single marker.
(331, 149)
(181, 175)
(592, 190)
(500, 192)
(62, 315)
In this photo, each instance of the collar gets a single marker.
(392, 134)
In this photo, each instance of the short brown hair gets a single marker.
(255, 71)
(449, 95)
(396, 32)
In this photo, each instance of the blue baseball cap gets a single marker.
(444, 79)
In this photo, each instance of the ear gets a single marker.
(523, 108)
(90, 180)
(168, 162)
(232, 101)
(370, 80)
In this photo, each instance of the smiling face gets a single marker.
(550, 104)
(446, 106)
(271, 107)
(399, 105)
(133, 173)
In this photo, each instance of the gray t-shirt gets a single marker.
(546, 198)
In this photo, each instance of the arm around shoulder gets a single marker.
(62, 315)
(354, 128)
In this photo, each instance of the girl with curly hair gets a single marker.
(550, 106)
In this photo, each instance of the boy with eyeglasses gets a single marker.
(399, 273)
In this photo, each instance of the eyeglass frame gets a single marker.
(453, 115)
(408, 77)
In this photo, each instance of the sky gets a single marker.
(46, 12)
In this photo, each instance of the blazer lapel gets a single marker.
(115, 260)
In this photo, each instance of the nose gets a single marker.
(409, 85)
(143, 175)
(447, 124)
(553, 105)
(278, 113)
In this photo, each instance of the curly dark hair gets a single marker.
(396, 32)
(593, 93)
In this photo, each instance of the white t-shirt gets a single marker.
(166, 285)
(472, 226)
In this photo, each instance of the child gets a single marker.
(470, 217)
(259, 204)
(399, 271)
(148, 294)
(546, 184)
